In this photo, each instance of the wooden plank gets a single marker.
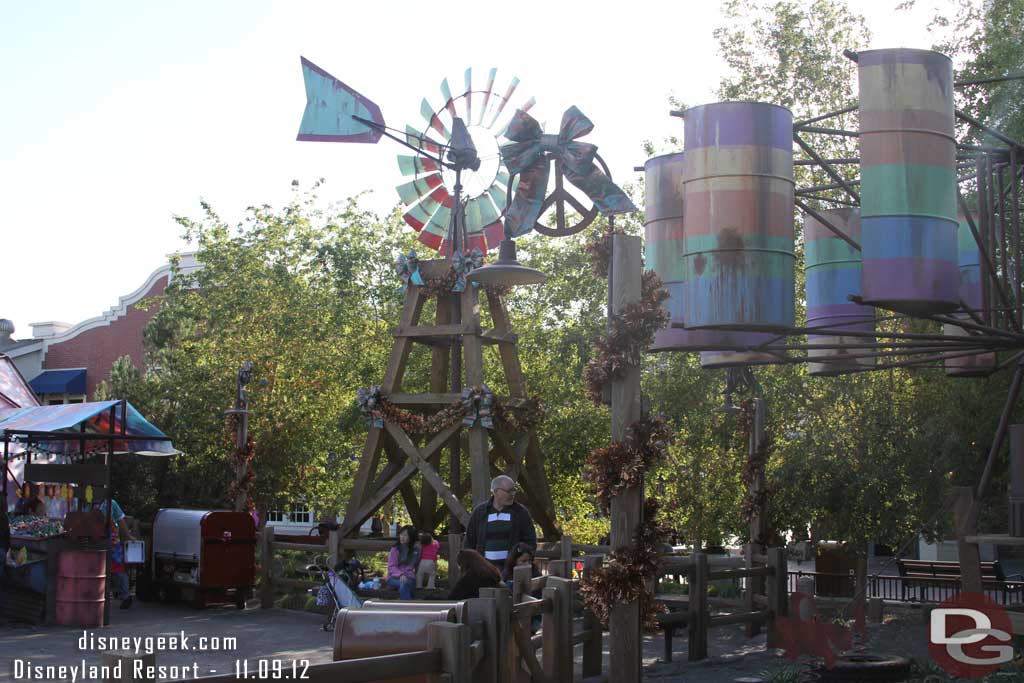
(965, 522)
(505, 651)
(439, 371)
(509, 354)
(445, 330)
(483, 610)
(592, 648)
(92, 475)
(760, 616)
(495, 337)
(429, 473)
(355, 518)
(557, 631)
(544, 512)
(777, 588)
(627, 507)
(400, 351)
(453, 642)
(752, 628)
(698, 625)
(266, 564)
(367, 466)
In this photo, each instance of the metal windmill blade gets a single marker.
(428, 196)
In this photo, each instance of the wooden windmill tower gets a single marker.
(457, 224)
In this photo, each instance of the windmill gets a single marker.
(455, 195)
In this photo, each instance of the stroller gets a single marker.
(337, 587)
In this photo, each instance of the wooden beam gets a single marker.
(626, 507)
(355, 517)
(429, 473)
(473, 364)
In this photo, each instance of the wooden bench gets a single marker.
(677, 616)
(936, 573)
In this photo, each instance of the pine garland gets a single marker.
(611, 469)
(518, 419)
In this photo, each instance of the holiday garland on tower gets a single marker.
(611, 469)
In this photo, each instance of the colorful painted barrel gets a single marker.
(833, 272)
(738, 210)
(663, 253)
(908, 181)
(969, 260)
(81, 585)
(727, 359)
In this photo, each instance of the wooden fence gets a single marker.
(765, 598)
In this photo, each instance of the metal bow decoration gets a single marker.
(525, 156)
(408, 268)
(462, 264)
(478, 402)
(369, 405)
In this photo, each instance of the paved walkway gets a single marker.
(274, 634)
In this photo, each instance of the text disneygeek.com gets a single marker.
(132, 666)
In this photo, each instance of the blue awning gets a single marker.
(59, 382)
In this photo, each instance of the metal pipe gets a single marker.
(827, 168)
(1015, 218)
(916, 362)
(988, 269)
(843, 160)
(990, 237)
(826, 131)
(1004, 239)
(997, 442)
(994, 79)
(842, 202)
(828, 224)
(1009, 360)
(946, 320)
(819, 188)
(963, 116)
(853, 107)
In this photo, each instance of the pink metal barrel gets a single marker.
(81, 586)
(908, 181)
(969, 258)
(833, 272)
(738, 248)
(663, 253)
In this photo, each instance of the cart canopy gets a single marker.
(60, 429)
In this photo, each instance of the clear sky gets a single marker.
(116, 116)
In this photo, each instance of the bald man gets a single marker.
(497, 525)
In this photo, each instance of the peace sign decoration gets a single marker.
(529, 156)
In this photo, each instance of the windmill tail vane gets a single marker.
(332, 108)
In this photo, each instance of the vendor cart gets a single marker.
(202, 556)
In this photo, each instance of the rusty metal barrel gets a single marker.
(360, 633)
(908, 181)
(461, 607)
(738, 248)
(970, 292)
(663, 253)
(832, 269)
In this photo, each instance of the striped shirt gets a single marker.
(499, 534)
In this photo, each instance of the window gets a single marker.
(301, 514)
(276, 516)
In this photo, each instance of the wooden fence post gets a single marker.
(753, 627)
(483, 611)
(557, 631)
(625, 657)
(504, 654)
(698, 622)
(521, 577)
(777, 590)
(332, 549)
(565, 548)
(453, 642)
(560, 568)
(266, 563)
(454, 546)
(592, 648)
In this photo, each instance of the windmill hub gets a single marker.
(462, 151)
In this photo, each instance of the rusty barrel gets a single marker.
(908, 181)
(738, 248)
(663, 253)
(970, 292)
(81, 586)
(832, 269)
(374, 632)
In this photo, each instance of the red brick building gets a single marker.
(64, 363)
